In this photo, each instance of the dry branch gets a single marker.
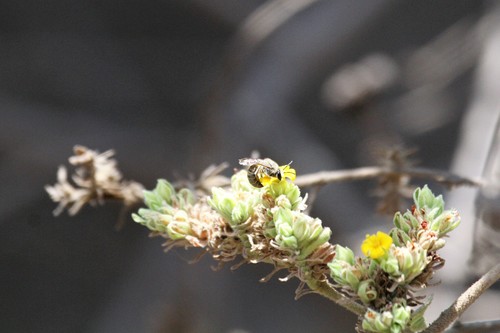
(465, 300)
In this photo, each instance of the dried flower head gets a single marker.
(96, 178)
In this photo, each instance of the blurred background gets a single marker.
(173, 86)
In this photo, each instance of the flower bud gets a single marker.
(344, 274)
(366, 291)
(411, 261)
(153, 220)
(394, 320)
(427, 239)
(315, 242)
(241, 212)
(301, 229)
(284, 229)
(385, 319)
(438, 244)
(390, 265)
(399, 237)
(181, 216)
(283, 202)
(446, 222)
(344, 254)
(184, 198)
(153, 200)
(308, 232)
(282, 215)
(424, 198)
(401, 315)
(166, 209)
(412, 220)
(291, 191)
(165, 190)
(401, 223)
(178, 230)
(223, 202)
(289, 242)
(315, 227)
(374, 321)
(225, 207)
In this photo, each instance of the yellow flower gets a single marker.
(376, 246)
(288, 172)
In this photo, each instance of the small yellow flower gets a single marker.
(376, 246)
(288, 172)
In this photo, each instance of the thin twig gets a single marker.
(325, 289)
(487, 326)
(326, 177)
(465, 300)
(335, 176)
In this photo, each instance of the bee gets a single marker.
(262, 172)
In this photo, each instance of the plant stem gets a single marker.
(325, 289)
(465, 300)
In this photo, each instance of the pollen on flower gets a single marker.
(376, 246)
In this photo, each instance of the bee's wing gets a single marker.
(266, 163)
(249, 161)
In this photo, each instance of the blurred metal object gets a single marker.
(486, 246)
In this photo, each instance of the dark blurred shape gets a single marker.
(392, 189)
(355, 84)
